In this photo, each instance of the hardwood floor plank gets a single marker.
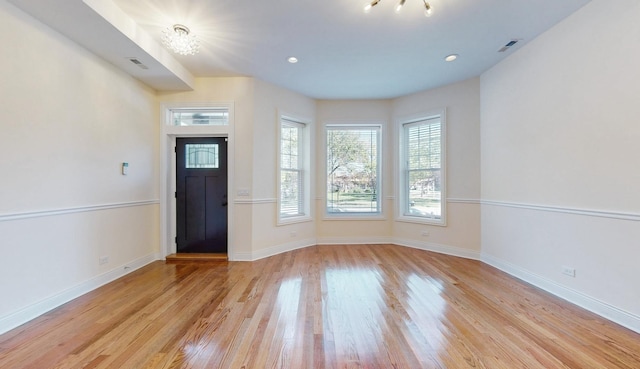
(349, 306)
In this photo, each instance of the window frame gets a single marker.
(304, 161)
(377, 215)
(176, 112)
(403, 186)
(191, 157)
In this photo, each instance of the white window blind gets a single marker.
(423, 181)
(292, 186)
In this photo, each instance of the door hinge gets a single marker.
(175, 194)
(176, 240)
(175, 149)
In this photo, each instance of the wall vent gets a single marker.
(138, 63)
(508, 45)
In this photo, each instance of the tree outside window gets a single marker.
(353, 169)
(422, 166)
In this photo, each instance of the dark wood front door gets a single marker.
(201, 195)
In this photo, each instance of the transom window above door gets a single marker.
(200, 117)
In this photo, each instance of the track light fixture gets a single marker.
(368, 7)
(428, 10)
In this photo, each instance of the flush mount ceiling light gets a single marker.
(428, 10)
(451, 57)
(292, 59)
(178, 39)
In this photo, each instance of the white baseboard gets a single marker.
(354, 240)
(279, 249)
(274, 250)
(30, 312)
(586, 302)
(442, 249)
(603, 309)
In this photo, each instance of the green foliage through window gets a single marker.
(353, 169)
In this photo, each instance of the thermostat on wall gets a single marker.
(125, 168)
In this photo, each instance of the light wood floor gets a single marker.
(365, 306)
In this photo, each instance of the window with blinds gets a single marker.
(294, 176)
(422, 179)
(291, 169)
(353, 168)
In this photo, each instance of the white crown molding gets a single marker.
(596, 306)
(566, 210)
(78, 209)
(32, 311)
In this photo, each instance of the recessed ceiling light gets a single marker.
(292, 60)
(451, 57)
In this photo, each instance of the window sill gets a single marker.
(421, 220)
(294, 220)
(354, 216)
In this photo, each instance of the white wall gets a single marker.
(552, 162)
(461, 101)
(461, 236)
(560, 149)
(69, 120)
(331, 231)
(256, 107)
(268, 237)
(240, 92)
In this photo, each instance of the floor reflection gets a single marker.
(353, 319)
(288, 303)
(428, 308)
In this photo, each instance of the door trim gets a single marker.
(168, 136)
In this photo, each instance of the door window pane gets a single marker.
(201, 156)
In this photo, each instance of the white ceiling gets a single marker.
(343, 52)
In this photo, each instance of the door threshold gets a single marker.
(195, 257)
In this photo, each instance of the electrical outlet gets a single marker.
(293, 234)
(425, 233)
(103, 260)
(571, 272)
